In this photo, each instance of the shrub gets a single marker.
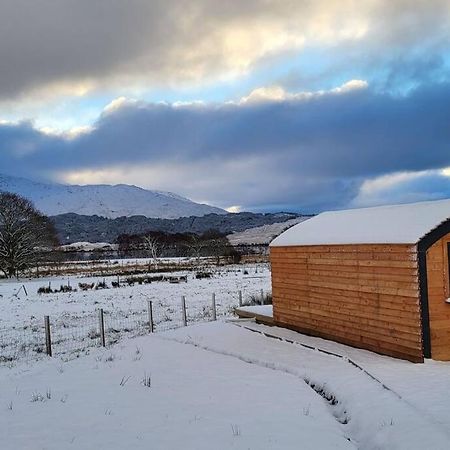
(86, 286)
(45, 290)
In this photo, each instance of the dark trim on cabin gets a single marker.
(424, 244)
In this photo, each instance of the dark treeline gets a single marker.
(161, 244)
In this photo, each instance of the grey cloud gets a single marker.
(315, 152)
(46, 43)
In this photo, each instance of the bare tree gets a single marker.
(24, 233)
(154, 248)
(197, 246)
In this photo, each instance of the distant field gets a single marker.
(74, 314)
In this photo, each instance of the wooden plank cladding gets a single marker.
(438, 280)
(363, 295)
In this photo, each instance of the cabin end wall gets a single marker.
(362, 295)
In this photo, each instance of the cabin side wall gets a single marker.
(438, 292)
(363, 295)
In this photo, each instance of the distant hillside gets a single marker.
(264, 234)
(81, 228)
(104, 200)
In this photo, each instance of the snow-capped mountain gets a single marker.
(104, 200)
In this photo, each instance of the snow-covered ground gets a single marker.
(89, 247)
(74, 315)
(221, 386)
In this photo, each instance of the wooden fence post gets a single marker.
(262, 297)
(240, 299)
(183, 310)
(48, 338)
(101, 323)
(150, 315)
(214, 312)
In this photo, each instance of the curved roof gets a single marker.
(394, 224)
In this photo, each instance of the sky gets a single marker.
(262, 105)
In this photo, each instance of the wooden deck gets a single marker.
(259, 318)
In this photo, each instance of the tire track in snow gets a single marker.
(338, 412)
(343, 358)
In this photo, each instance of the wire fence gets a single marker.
(71, 335)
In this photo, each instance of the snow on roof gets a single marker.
(395, 224)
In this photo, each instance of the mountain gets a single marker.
(76, 228)
(104, 200)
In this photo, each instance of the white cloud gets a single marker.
(234, 209)
(118, 103)
(279, 94)
(404, 187)
(71, 133)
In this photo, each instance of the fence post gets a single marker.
(262, 297)
(214, 312)
(48, 338)
(240, 299)
(150, 315)
(102, 327)
(183, 310)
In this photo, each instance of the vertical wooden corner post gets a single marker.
(150, 316)
(183, 310)
(214, 312)
(48, 337)
(240, 299)
(101, 323)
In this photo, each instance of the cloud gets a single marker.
(73, 47)
(279, 94)
(294, 153)
(404, 187)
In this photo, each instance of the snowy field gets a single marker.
(221, 386)
(74, 315)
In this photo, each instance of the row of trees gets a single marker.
(157, 244)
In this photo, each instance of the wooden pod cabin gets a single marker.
(374, 278)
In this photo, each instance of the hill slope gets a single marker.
(264, 234)
(78, 228)
(104, 200)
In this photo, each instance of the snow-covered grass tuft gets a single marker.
(124, 380)
(110, 358)
(37, 397)
(146, 380)
(236, 430)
